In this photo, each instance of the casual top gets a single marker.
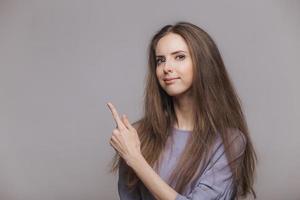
(214, 183)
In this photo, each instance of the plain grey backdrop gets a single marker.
(61, 61)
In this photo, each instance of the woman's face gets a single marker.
(174, 68)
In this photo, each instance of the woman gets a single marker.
(193, 141)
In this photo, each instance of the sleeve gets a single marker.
(123, 190)
(216, 181)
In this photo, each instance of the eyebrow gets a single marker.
(175, 52)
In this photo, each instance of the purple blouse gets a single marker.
(214, 183)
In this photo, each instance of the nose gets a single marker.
(168, 67)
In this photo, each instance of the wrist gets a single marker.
(135, 161)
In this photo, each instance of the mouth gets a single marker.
(170, 80)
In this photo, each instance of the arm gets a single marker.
(155, 184)
(123, 190)
(216, 181)
(126, 141)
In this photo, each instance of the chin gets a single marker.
(174, 93)
(177, 92)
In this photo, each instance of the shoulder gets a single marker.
(237, 140)
(233, 135)
(137, 124)
(236, 135)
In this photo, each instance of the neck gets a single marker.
(184, 112)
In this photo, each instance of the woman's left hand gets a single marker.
(124, 138)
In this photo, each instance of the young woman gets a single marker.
(193, 141)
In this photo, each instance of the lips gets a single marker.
(169, 79)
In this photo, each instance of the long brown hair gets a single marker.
(217, 110)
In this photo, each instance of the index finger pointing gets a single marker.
(115, 115)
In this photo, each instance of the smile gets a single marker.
(170, 80)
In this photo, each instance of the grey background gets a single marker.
(61, 61)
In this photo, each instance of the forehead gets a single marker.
(170, 43)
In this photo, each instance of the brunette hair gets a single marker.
(217, 110)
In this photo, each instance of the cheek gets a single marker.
(190, 70)
(158, 76)
(189, 74)
(158, 73)
(186, 70)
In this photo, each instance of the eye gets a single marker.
(158, 61)
(181, 57)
